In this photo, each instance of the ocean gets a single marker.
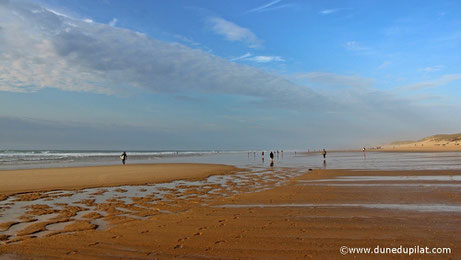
(23, 159)
(26, 159)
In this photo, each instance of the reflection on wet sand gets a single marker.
(40, 214)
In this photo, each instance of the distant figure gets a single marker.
(271, 155)
(262, 156)
(123, 157)
(363, 149)
(364, 152)
(324, 153)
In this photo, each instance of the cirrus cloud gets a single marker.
(235, 33)
(43, 49)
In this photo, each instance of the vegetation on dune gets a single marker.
(443, 137)
(433, 138)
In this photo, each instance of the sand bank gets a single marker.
(360, 212)
(19, 181)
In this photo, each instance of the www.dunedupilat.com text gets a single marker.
(401, 250)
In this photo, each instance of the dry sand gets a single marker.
(436, 143)
(280, 231)
(19, 181)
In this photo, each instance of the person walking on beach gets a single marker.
(123, 157)
(271, 155)
(324, 153)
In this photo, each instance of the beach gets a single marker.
(278, 212)
(20, 181)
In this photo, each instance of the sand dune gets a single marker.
(442, 142)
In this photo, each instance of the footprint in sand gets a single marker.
(145, 231)
(198, 234)
(94, 244)
(72, 252)
(182, 239)
(116, 237)
(178, 246)
(202, 228)
(219, 242)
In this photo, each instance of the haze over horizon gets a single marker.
(278, 74)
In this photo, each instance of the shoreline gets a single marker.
(76, 178)
(402, 150)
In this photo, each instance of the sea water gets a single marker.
(11, 159)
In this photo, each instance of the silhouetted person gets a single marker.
(271, 155)
(324, 153)
(123, 157)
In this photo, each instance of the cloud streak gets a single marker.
(271, 6)
(329, 11)
(265, 6)
(260, 59)
(332, 79)
(234, 33)
(443, 80)
(41, 49)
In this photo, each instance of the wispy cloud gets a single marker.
(432, 69)
(384, 65)
(113, 22)
(234, 32)
(333, 11)
(265, 59)
(261, 59)
(443, 80)
(271, 6)
(244, 56)
(329, 11)
(40, 51)
(333, 79)
(355, 46)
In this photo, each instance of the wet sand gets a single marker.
(19, 181)
(307, 216)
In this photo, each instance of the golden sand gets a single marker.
(277, 231)
(19, 181)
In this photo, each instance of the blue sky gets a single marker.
(227, 74)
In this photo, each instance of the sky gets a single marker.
(197, 74)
